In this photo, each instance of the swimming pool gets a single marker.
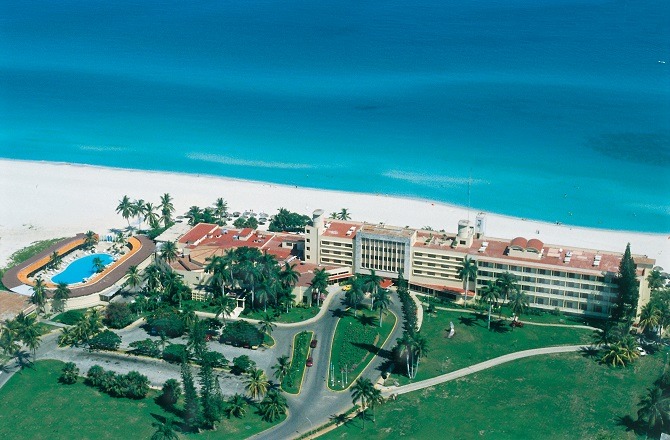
(81, 269)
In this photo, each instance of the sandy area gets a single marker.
(45, 200)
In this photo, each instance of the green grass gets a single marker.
(71, 317)
(33, 405)
(295, 314)
(293, 381)
(27, 252)
(473, 342)
(45, 328)
(356, 341)
(562, 396)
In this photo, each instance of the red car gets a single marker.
(309, 362)
(313, 343)
(516, 324)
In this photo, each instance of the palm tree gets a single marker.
(125, 208)
(236, 406)
(169, 251)
(138, 208)
(265, 291)
(39, 297)
(319, 283)
(224, 305)
(220, 209)
(9, 341)
(467, 272)
(166, 208)
(490, 294)
(282, 368)
(507, 284)
(256, 383)
(334, 215)
(620, 353)
(98, 265)
(194, 215)
(267, 325)
(61, 295)
(217, 267)
(654, 410)
(289, 277)
(150, 215)
(376, 399)
(371, 283)
(344, 214)
(518, 302)
(273, 406)
(420, 349)
(165, 431)
(650, 317)
(90, 239)
(361, 393)
(55, 260)
(382, 303)
(354, 295)
(27, 331)
(609, 334)
(152, 276)
(655, 280)
(133, 278)
(251, 277)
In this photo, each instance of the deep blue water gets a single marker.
(557, 110)
(80, 269)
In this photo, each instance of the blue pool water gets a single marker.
(81, 268)
(558, 110)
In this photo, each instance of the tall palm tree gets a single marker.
(98, 265)
(194, 215)
(382, 303)
(138, 208)
(650, 317)
(405, 347)
(125, 208)
(371, 283)
(90, 239)
(27, 330)
(236, 406)
(273, 406)
(334, 215)
(266, 325)
(264, 292)
(507, 283)
(251, 277)
(256, 383)
(289, 277)
(133, 278)
(169, 251)
(467, 272)
(655, 280)
(354, 295)
(518, 302)
(319, 283)
(150, 215)
(165, 431)
(167, 208)
(361, 393)
(39, 297)
(344, 214)
(55, 260)
(9, 341)
(220, 209)
(216, 266)
(376, 399)
(282, 368)
(152, 277)
(420, 349)
(224, 306)
(61, 295)
(489, 293)
(654, 410)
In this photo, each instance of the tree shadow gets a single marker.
(384, 353)
(589, 352)
(499, 327)
(366, 320)
(168, 407)
(340, 419)
(368, 347)
(178, 424)
(468, 321)
(631, 424)
(341, 313)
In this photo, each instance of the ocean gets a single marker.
(553, 110)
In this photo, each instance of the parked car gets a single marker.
(516, 324)
(309, 362)
(313, 343)
(641, 351)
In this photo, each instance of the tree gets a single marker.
(118, 315)
(289, 277)
(90, 239)
(273, 406)
(242, 364)
(192, 412)
(286, 221)
(55, 260)
(361, 393)
(621, 353)
(236, 406)
(224, 306)
(165, 431)
(518, 302)
(265, 290)
(628, 296)
(133, 278)
(266, 325)
(334, 215)
(138, 208)
(371, 283)
(9, 341)
(655, 280)
(106, 340)
(197, 338)
(374, 401)
(344, 214)
(69, 374)
(60, 297)
(256, 383)
(98, 264)
(166, 208)
(507, 284)
(489, 294)
(221, 210)
(125, 208)
(218, 268)
(27, 331)
(169, 252)
(467, 272)
(382, 302)
(212, 403)
(650, 317)
(609, 334)
(654, 410)
(150, 216)
(282, 368)
(152, 277)
(354, 295)
(319, 283)
(39, 297)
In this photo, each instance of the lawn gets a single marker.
(23, 254)
(33, 405)
(295, 314)
(356, 341)
(45, 328)
(562, 396)
(473, 342)
(293, 381)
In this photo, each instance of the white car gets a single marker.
(641, 351)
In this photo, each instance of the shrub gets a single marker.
(171, 392)
(94, 375)
(132, 385)
(137, 385)
(107, 340)
(242, 333)
(69, 373)
(175, 352)
(242, 364)
(71, 317)
(118, 315)
(166, 320)
(146, 347)
(214, 358)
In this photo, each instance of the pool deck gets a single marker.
(111, 275)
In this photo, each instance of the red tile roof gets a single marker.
(340, 229)
(198, 232)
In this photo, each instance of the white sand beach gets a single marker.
(44, 200)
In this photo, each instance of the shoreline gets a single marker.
(45, 199)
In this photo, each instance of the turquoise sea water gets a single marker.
(556, 110)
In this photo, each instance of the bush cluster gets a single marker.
(146, 347)
(106, 340)
(241, 333)
(132, 385)
(175, 353)
(69, 374)
(71, 317)
(118, 315)
(409, 309)
(166, 320)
